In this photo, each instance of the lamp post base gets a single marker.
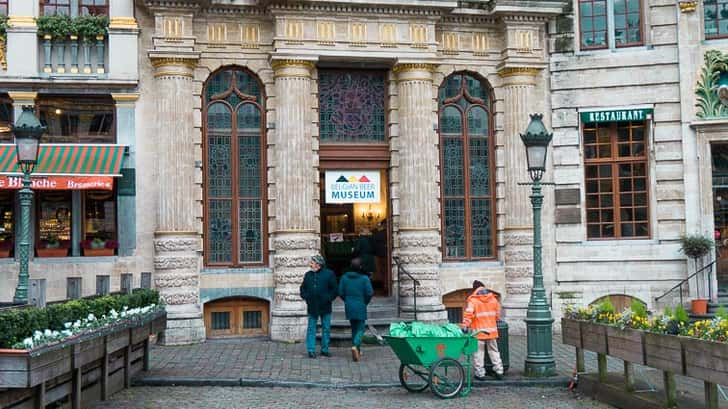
(540, 358)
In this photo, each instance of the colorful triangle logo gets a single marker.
(341, 179)
(364, 179)
(352, 179)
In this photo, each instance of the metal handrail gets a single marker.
(415, 283)
(708, 267)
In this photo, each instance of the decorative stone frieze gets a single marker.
(292, 260)
(187, 244)
(307, 242)
(190, 297)
(176, 280)
(518, 288)
(518, 238)
(518, 271)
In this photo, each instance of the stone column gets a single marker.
(419, 223)
(126, 199)
(123, 40)
(21, 50)
(296, 196)
(176, 238)
(517, 88)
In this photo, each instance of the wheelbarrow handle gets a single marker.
(480, 331)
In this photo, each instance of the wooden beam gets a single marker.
(629, 376)
(670, 389)
(580, 367)
(602, 367)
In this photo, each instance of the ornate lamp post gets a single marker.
(27, 131)
(540, 357)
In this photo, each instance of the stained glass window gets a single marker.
(715, 17)
(235, 170)
(351, 106)
(466, 149)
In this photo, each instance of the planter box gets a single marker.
(594, 337)
(57, 252)
(4, 253)
(706, 360)
(571, 332)
(626, 344)
(98, 252)
(664, 352)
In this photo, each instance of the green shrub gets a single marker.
(681, 316)
(721, 313)
(58, 26)
(696, 246)
(638, 308)
(18, 323)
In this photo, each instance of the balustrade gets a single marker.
(74, 56)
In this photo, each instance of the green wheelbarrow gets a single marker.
(434, 362)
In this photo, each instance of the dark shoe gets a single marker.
(312, 355)
(326, 353)
(498, 376)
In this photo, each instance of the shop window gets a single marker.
(236, 316)
(71, 7)
(351, 106)
(715, 17)
(55, 226)
(615, 165)
(3, 7)
(77, 119)
(466, 152)
(6, 119)
(235, 184)
(7, 223)
(610, 23)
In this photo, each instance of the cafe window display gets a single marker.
(7, 223)
(54, 223)
(77, 120)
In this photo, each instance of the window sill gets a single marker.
(479, 263)
(72, 259)
(602, 51)
(618, 242)
(236, 270)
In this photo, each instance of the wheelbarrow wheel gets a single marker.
(414, 378)
(447, 378)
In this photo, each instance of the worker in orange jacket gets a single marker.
(481, 314)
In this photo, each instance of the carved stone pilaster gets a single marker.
(295, 240)
(419, 234)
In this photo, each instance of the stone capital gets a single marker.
(125, 99)
(23, 97)
(292, 68)
(687, 6)
(21, 21)
(174, 65)
(123, 23)
(414, 71)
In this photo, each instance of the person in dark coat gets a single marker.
(364, 249)
(356, 290)
(319, 290)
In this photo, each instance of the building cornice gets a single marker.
(123, 23)
(162, 60)
(291, 63)
(23, 96)
(125, 97)
(506, 72)
(408, 67)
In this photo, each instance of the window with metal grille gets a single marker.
(599, 28)
(454, 315)
(351, 106)
(75, 7)
(615, 165)
(467, 186)
(221, 320)
(235, 183)
(252, 319)
(715, 18)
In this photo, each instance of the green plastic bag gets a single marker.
(421, 329)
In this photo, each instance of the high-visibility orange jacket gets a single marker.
(481, 313)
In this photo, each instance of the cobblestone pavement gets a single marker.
(390, 398)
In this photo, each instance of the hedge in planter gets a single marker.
(17, 324)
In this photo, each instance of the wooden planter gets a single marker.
(706, 360)
(594, 337)
(4, 253)
(663, 352)
(571, 332)
(98, 252)
(54, 252)
(626, 344)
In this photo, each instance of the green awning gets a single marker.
(70, 160)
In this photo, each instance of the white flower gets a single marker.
(66, 333)
(77, 324)
(68, 325)
(91, 317)
(47, 333)
(28, 343)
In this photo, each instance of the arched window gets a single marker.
(234, 169)
(466, 158)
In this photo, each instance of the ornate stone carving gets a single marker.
(291, 260)
(518, 239)
(409, 241)
(518, 288)
(21, 21)
(189, 297)
(190, 63)
(400, 68)
(518, 271)
(296, 243)
(3, 52)
(176, 244)
(123, 23)
(709, 93)
(513, 71)
(288, 277)
(687, 6)
(175, 280)
(278, 65)
(518, 255)
(419, 258)
(175, 262)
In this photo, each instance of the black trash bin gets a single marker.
(502, 348)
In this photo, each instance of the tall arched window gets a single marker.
(466, 159)
(234, 169)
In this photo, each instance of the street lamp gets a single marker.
(540, 357)
(27, 131)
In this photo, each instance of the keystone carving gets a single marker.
(180, 298)
(186, 244)
(175, 262)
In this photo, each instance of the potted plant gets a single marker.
(697, 246)
(56, 27)
(51, 246)
(99, 247)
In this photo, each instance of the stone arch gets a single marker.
(237, 316)
(620, 301)
(235, 169)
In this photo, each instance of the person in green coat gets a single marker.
(356, 290)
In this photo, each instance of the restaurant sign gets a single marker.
(352, 186)
(59, 182)
(618, 115)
